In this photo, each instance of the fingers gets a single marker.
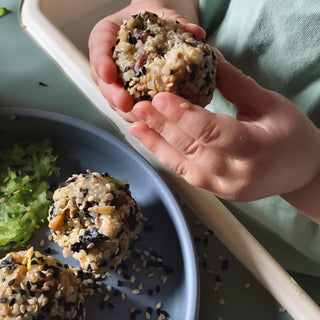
(101, 40)
(222, 132)
(173, 134)
(116, 95)
(158, 145)
(194, 131)
(171, 157)
(194, 29)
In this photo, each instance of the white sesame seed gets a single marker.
(164, 279)
(135, 291)
(185, 105)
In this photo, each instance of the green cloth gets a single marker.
(278, 44)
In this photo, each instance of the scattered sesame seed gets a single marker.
(185, 105)
(135, 291)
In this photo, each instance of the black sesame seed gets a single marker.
(165, 313)
(3, 300)
(41, 274)
(181, 85)
(218, 278)
(22, 292)
(126, 85)
(225, 264)
(48, 251)
(42, 84)
(102, 305)
(132, 39)
(12, 302)
(11, 282)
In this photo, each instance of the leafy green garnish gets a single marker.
(24, 189)
(3, 11)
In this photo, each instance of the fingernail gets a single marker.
(139, 113)
(135, 131)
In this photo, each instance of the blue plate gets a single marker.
(80, 146)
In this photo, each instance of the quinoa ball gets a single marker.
(94, 218)
(34, 286)
(155, 55)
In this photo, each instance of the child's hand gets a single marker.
(103, 38)
(271, 148)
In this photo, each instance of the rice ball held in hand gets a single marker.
(34, 286)
(94, 218)
(155, 55)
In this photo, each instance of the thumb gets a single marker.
(237, 87)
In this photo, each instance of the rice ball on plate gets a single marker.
(34, 286)
(154, 55)
(94, 218)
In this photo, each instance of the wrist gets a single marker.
(307, 199)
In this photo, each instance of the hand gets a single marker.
(270, 148)
(103, 37)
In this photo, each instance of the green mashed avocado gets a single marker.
(25, 193)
